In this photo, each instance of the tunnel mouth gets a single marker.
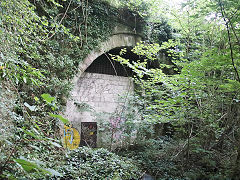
(105, 65)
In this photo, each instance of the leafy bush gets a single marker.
(166, 158)
(154, 157)
(86, 163)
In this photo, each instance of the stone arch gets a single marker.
(114, 41)
(98, 92)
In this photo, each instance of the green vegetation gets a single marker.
(184, 114)
(98, 164)
(199, 100)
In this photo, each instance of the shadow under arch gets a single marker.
(114, 42)
(105, 65)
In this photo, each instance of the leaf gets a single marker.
(35, 147)
(48, 98)
(35, 81)
(55, 3)
(39, 163)
(9, 142)
(54, 173)
(32, 167)
(26, 165)
(37, 126)
(36, 98)
(55, 144)
(24, 79)
(30, 134)
(65, 121)
(31, 108)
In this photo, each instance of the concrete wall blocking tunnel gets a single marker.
(98, 86)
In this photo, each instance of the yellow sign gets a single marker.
(71, 138)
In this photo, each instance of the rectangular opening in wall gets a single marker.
(89, 134)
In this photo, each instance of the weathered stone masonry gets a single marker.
(99, 92)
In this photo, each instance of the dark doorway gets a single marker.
(89, 134)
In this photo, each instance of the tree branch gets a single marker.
(229, 39)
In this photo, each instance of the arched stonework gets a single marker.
(98, 93)
(122, 39)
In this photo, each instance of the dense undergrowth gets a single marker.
(187, 119)
(86, 163)
(164, 158)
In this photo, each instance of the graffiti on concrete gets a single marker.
(71, 138)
